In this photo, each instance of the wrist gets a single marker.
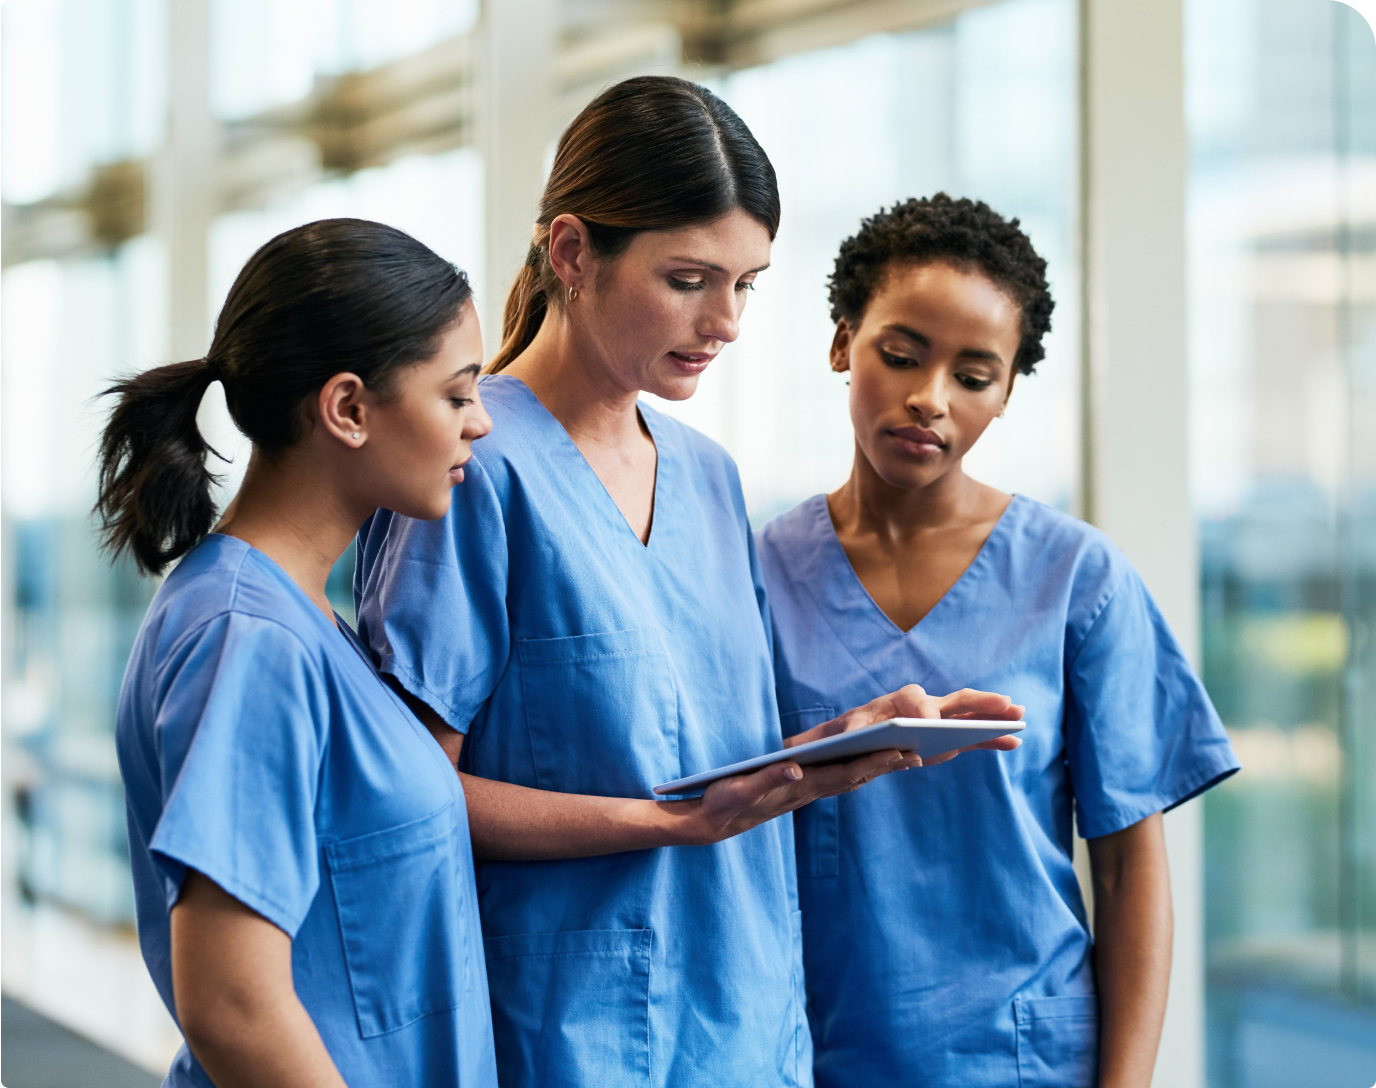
(681, 823)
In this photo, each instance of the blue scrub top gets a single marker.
(259, 747)
(579, 660)
(944, 934)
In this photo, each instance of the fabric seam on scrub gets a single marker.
(1117, 586)
(1126, 816)
(228, 609)
(413, 687)
(820, 607)
(251, 897)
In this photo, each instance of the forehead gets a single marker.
(736, 241)
(949, 295)
(461, 345)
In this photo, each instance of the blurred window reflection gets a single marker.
(1282, 98)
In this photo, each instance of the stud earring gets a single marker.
(573, 293)
(355, 434)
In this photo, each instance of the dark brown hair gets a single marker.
(328, 297)
(651, 153)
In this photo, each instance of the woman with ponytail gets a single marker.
(588, 621)
(302, 868)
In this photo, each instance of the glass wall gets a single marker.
(84, 90)
(1282, 98)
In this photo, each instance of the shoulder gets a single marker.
(1082, 553)
(1087, 567)
(792, 546)
(225, 591)
(795, 532)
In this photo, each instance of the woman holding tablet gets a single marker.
(944, 934)
(589, 621)
(283, 802)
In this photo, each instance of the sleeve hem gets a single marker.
(431, 698)
(285, 920)
(1121, 818)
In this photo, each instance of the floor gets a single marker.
(90, 979)
(35, 1052)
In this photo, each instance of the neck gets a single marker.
(568, 373)
(293, 509)
(866, 503)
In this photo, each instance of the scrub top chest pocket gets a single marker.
(602, 712)
(417, 867)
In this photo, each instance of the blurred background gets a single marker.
(1201, 179)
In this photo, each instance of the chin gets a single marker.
(676, 387)
(908, 477)
(431, 509)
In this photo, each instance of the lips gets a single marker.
(692, 362)
(918, 440)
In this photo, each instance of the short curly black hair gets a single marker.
(965, 233)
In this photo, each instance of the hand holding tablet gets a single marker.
(925, 736)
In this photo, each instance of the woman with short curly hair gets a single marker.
(945, 938)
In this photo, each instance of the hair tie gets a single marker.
(214, 369)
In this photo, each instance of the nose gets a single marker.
(477, 422)
(721, 319)
(928, 399)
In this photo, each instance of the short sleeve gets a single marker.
(431, 599)
(1141, 734)
(239, 739)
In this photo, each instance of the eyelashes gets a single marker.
(902, 362)
(699, 285)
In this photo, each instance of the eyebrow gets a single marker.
(471, 368)
(966, 353)
(715, 267)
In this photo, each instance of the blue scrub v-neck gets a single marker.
(945, 940)
(552, 431)
(848, 583)
(579, 660)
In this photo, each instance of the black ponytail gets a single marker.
(154, 485)
(334, 296)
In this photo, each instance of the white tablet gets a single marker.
(925, 736)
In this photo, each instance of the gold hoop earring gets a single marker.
(573, 293)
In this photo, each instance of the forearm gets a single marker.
(1132, 950)
(263, 1044)
(514, 823)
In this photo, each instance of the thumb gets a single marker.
(776, 776)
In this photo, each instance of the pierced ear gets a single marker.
(570, 250)
(840, 347)
(342, 409)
